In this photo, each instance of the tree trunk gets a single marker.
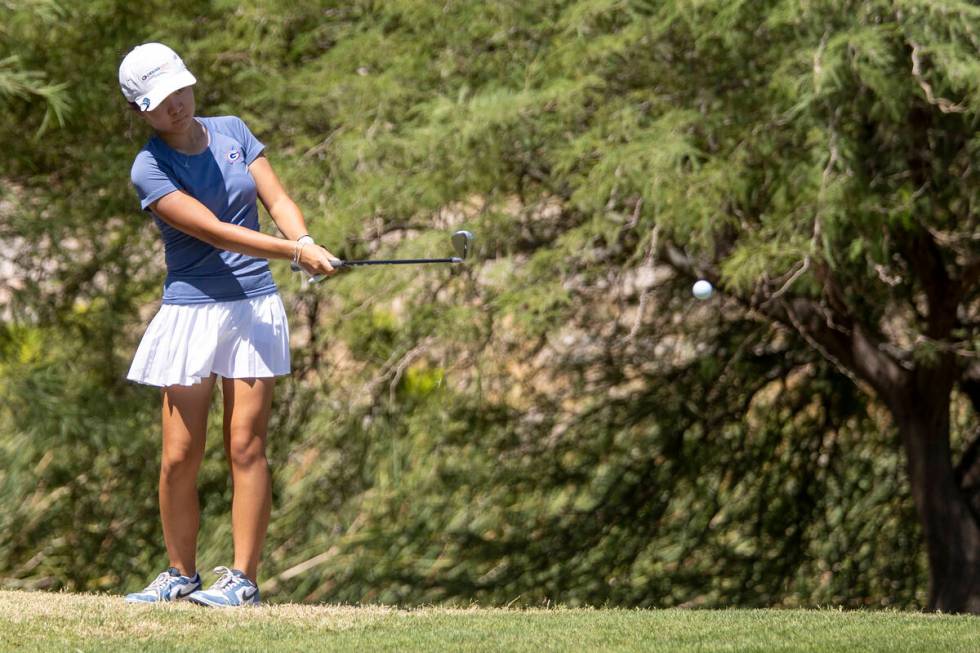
(951, 530)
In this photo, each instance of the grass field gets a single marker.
(68, 622)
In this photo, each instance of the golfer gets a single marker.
(221, 314)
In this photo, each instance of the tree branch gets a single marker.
(925, 259)
(944, 105)
(848, 344)
(830, 330)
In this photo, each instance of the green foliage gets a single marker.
(557, 421)
(18, 81)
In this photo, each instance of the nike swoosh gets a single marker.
(248, 595)
(181, 593)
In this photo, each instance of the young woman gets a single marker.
(221, 314)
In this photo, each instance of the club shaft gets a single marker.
(397, 261)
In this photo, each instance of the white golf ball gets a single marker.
(702, 289)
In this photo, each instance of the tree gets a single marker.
(852, 144)
(821, 174)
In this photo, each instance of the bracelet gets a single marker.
(301, 242)
(294, 264)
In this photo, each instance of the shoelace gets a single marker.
(159, 583)
(227, 578)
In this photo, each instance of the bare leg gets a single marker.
(185, 420)
(248, 403)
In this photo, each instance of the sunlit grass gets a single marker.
(67, 622)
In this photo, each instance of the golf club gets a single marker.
(461, 244)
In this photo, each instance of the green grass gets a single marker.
(37, 621)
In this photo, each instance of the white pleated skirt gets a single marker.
(185, 344)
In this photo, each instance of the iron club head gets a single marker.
(461, 243)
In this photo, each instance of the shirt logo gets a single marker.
(234, 155)
(145, 103)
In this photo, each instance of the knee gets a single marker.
(179, 462)
(246, 451)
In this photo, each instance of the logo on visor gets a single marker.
(234, 155)
(145, 104)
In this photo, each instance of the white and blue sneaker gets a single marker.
(168, 586)
(231, 590)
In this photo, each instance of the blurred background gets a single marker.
(559, 421)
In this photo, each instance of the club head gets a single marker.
(461, 243)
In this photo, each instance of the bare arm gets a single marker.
(183, 212)
(284, 211)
